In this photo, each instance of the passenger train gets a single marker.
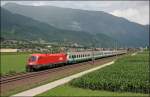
(37, 61)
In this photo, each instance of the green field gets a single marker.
(130, 73)
(13, 62)
(67, 90)
(129, 76)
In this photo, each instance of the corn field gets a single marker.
(127, 74)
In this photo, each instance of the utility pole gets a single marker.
(93, 55)
(93, 46)
(116, 49)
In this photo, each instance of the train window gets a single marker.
(70, 56)
(32, 58)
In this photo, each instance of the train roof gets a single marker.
(55, 54)
(38, 54)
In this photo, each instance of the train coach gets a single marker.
(37, 61)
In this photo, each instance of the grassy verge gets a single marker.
(13, 62)
(67, 90)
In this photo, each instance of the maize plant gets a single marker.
(129, 74)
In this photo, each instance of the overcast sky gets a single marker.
(136, 11)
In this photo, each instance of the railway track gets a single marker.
(11, 75)
(21, 76)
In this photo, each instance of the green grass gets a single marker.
(67, 90)
(13, 62)
(130, 73)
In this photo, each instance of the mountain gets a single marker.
(126, 32)
(15, 26)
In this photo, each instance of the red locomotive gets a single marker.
(36, 61)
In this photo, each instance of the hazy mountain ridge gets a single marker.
(15, 26)
(126, 32)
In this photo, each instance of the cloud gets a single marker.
(139, 15)
(40, 3)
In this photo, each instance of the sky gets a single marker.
(135, 11)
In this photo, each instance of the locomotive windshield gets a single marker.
(32, 58)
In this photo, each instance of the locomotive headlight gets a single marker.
(32, 63)
(60, 58)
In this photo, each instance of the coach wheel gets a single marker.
(29, 69)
